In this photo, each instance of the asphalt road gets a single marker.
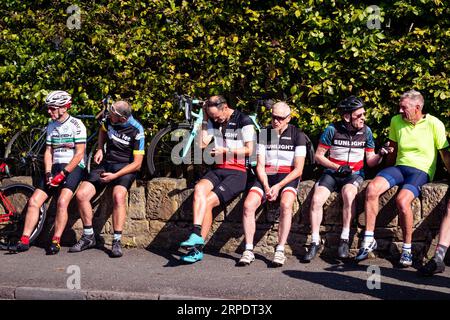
(159, 275)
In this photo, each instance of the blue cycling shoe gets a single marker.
(193, 241)
(192, 256)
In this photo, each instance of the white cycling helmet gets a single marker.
(59, 98)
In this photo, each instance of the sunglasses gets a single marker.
(279, 118)
(113, 110)
(52, 108)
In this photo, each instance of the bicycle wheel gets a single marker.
(90, 163)
(164, 158)
(17, 196)
(28, 148)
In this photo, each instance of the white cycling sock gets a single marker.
(315, 237)
(407, 247)
(249, 246)
(279, 248)
(345, 233)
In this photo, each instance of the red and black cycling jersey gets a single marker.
(347, 148)
(280, 152)
(232, 134)
(123, 140)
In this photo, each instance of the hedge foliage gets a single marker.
(312, 53)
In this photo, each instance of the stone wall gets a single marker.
(160, 216)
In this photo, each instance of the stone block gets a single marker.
(136, 203)
(434, 203)
(163, 198)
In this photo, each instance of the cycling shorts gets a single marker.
(408, 178)
(70, 182)
(228, 183)
(333, 183)
(125, 180)
(274, 179)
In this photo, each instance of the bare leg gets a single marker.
(85, 193)
(251, 204)
(286, 203)
(61, 211)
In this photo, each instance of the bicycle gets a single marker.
(13, 208)
(28, 147)
(168, 157)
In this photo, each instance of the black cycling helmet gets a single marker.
(350, 104)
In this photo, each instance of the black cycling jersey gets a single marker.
(238, 130)
(123, 140)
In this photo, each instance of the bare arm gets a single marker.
(299, 162)
(77, 157)
(445, 154)
(98, 156)
(261, 172)
(392, 156)
(48, 158)
(322, 160)
(132, 167)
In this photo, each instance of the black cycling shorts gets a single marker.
(274, 179)
(334, 183)
(71, 182)
(227, 183)
(125, 180)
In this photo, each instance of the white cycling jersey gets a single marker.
(63, 137)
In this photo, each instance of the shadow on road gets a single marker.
(334, 279)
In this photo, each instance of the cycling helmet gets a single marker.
(350, 104)
(59, 98)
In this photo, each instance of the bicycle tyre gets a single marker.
(18, 194)
(161, 161)
(30, 162)
(90, 163)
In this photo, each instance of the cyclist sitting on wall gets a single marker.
(436, 264)
(234, 137)
(281, 153)
(64, 168)
(416, 138)
(348, 143)
(124, 138)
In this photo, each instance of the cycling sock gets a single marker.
(197, 229)
(117, 235)
(279, 248)
(88, 230)
(407, 247)
(57, 239)
(439, 255)
(25, 239)
(315, 238)
(368, 237)
(345, 233)
(249, 246)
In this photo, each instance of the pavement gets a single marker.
(153, 275)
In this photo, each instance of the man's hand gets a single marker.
(385, 149)
(344, 171)
(56, 181)
(219, 151)
(272, 195)
(98, 157)
(107, 177)
(48, 177)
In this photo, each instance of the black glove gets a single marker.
(384, 150)
(343, 171)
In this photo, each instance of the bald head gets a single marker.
(281, 108)
(123, 108)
